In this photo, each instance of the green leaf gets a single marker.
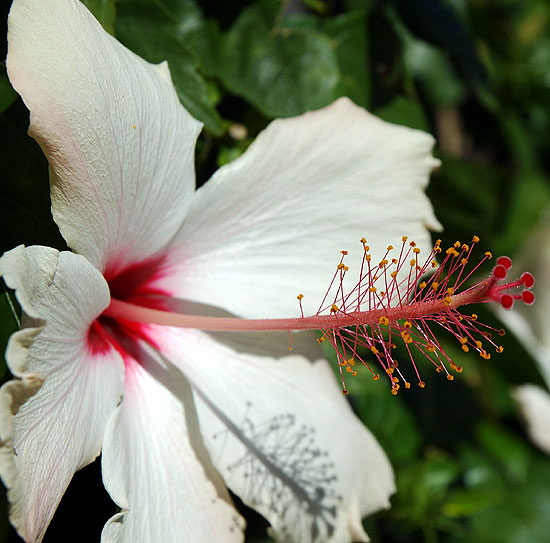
(7, 94)
(385, 415)
(520, 514)
(282, 70)
(9, 322)
(423, 490)
(405, 111)
(104, 11)
(160, 32)
(348, 33)
(511, 452)
(438, 24)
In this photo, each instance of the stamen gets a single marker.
(414, 301)
(397, 300)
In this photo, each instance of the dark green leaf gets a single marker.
(7, 94)
(9, 322)
(104, 11)
(283, 71)
(160, 33)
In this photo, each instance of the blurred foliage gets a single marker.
(475, 73)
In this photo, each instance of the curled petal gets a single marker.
(52, 417)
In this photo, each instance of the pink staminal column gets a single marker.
(401, 298)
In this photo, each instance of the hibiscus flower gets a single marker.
(178, 414)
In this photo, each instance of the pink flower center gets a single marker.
(136, 285)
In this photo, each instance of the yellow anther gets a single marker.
(406, 337)
(434, 264)
(457, 244)
(435, 285)
(465, 247)
(439, 369)
(450, 377)
(395, 390)
(404, 239)
(367, 257)
(474, 316)
(344, 253)
(372, 289)
(484, 354)
(416, 251)
(488, 254)
(345, 392)
(450, 291)
(465, 348)
(340, 266)
(423, 284)
(384, 320)
(363, 241)
(407, 384)
(447, 300)
(478, 344)
(300, 297)
(502, 332)
(393, 274)
(500, 349)
(134, 126)
(389, 371)
(421, 384)
(452, 251)
(407, 324)
(412, 243)
(334, 308)
(475, 239)
(390, 248)
(430, 347)
(412, 262)
(382, 263)
(464, 261)
(321, 339)
(376, 377)
(374, 350)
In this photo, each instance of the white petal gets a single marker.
(119, 143)
(151, 467)
(272, 223)
(535, 406)
(284, 438)
(59, 428)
